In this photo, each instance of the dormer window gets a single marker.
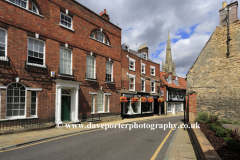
(99, 36)
(175, 81)
(144, 56)
(34, 8)
(169, 80)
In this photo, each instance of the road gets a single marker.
(100, 144)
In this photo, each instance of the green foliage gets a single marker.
(236, 122)
(214, 127)
(221, 133)
(213, 118)
(202, 117)
(225, 121)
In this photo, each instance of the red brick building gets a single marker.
(140, 78)
(173, 91)
(57, 58)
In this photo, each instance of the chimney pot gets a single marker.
(104, 10)
(224, 4)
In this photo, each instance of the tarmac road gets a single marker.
(100, 144)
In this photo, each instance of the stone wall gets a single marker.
(215, 78)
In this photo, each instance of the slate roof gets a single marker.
(181, 81)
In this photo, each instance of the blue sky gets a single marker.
(190, 24)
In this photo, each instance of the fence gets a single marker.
(99, 117)
(19, 125)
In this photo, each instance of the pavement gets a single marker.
(180, 146)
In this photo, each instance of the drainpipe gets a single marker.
(228, 36)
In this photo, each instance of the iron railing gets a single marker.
(96, 117)
(18, 125)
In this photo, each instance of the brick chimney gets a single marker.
(143, 48)
(233, 10)
(105, 15)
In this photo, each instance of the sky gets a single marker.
(190, 24)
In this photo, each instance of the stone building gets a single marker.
(213, 80)
(57, 59)
(169, 67)
(140, 78)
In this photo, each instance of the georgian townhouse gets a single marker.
(173, 91)
(140, 80)
(57, 58)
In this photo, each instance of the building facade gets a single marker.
(140, 78)
(214, 77)
(169, 66)
(57, 58)
(173, 91)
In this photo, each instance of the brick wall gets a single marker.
(215, 78)
(137, 72)
(191, 107)
(21, 24)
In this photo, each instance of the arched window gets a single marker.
(100, 101)
(34, 8)
(16, 95)
(100, 36)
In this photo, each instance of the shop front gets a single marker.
(139, 105)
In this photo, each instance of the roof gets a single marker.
(181, 81)
(136, 54)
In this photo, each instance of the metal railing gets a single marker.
(96, 117)
(17, 125)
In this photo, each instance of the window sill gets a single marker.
(148, 112)
(94, 80)
(65, 75)
(24, 8)
(109, 82)
(16, 118)
(132, 69)
(152, 75)
(35, 65)
(4, 59)
(66, 27)
(100, 112)
(144, 73)
(131, 90)
(100, 41)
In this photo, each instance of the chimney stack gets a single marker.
(105, 15)
(233, 10)
(143, 48)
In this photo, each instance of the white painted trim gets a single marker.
(3, 87)
(6, 40)
(143, 79)
(24, 8)
(100, 41)
(132, 60)
(131, 75)
(152, 67)
(143, 64)
(33, 89)
(68, 17)
(66, 48)
(154, 86)
(94, 58)
(92, 92)
(66, 27)
(108, 94)
(36, 105)
(18, 118)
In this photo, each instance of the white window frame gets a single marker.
(143, 80)
(25, 109)
(171, 107)
(111, 70)
(132, 60)
(36, 104)
(145, 54)
(103, 36)
(108, 97)
(154, 84)
(162, 93)
(44, 55)
(152, 67)
(33, 4)
(103, 100)
(71, 28)
(27, 8)
(143, 65)
(132, 76)
(6, 37)
(94, 66)
(71, 58)
(27, 2)
(92, 103)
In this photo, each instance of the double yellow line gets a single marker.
(160, 147)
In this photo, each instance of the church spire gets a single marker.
(169, 65)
